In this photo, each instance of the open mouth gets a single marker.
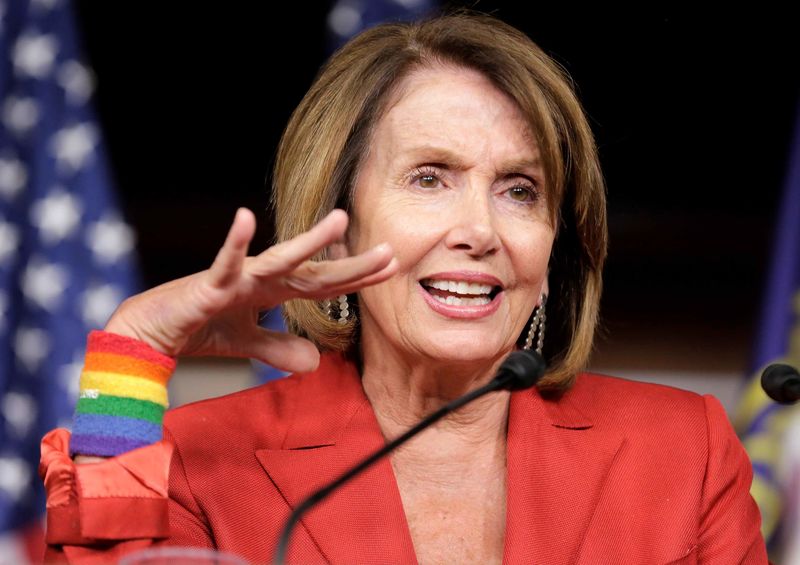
(460, 293)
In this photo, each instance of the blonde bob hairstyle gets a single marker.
(329, 132)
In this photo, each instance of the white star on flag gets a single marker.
(19, 412)
(99, 302)
(57, 215)
(9, 242)
(44, 283)
(69, 376)
(72, 146)
(345, 18)
(109, 239)
(15, 473)
(409, 4)
(31, 346)
(20, 114)
(13, 177)
(44, 4)
(35, 54)
(77, 82)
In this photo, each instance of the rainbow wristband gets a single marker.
(123, 396)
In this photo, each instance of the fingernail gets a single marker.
(382, 248)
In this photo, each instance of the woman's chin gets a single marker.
(466, 351)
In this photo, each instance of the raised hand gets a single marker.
(215, 312)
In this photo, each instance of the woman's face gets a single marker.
(454, 183)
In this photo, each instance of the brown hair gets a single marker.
(328, 133)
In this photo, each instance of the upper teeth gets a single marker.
(459, 287)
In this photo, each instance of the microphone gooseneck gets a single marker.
(520, 370)
(781, 383)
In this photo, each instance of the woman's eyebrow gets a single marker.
(441, 157)
(521, 167)
(447, 159)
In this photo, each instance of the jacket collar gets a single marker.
(333, 428)
(557, 463)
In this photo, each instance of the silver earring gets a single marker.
(340, 308)
(344, 311)
(537, 327)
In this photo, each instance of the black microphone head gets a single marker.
(781, 383)
(521, 369)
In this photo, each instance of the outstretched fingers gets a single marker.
(369, 280)
(227, 265)
(314, 279)
(288, 255)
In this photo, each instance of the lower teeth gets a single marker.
(454, 301)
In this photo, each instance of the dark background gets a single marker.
(693, 115)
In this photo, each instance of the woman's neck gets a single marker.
(402, 392)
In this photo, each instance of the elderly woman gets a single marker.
(441, 182)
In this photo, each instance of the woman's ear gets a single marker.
(545, 286)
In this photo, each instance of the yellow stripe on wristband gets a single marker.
(122, 385)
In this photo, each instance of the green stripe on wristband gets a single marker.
(121, 406)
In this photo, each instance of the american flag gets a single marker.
(65, 252)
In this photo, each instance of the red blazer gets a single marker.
(613, 472)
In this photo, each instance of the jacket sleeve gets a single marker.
(98, 512)
(730, 521)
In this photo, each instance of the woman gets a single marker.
(473, 201)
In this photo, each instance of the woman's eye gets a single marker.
(428, 181)
(425, 177)
(522, 194)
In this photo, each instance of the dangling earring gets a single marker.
(537, 326)
(342, 307)
(344, 311)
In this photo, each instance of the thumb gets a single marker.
(281, 350)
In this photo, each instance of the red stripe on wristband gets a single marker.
(105, 342)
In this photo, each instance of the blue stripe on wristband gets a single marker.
(116, 426)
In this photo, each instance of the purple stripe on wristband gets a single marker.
(117, 426)
(103, 446)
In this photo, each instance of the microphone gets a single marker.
(781, 383)
(520, 370)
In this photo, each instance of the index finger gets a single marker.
(288, 255)
(228, 262)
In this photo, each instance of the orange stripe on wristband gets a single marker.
(126, 365)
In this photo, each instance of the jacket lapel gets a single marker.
(332, 429)
(558, 462)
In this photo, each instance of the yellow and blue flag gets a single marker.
(762, 423)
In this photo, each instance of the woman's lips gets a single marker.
(464, 307)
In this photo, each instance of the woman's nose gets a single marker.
(473, 229)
